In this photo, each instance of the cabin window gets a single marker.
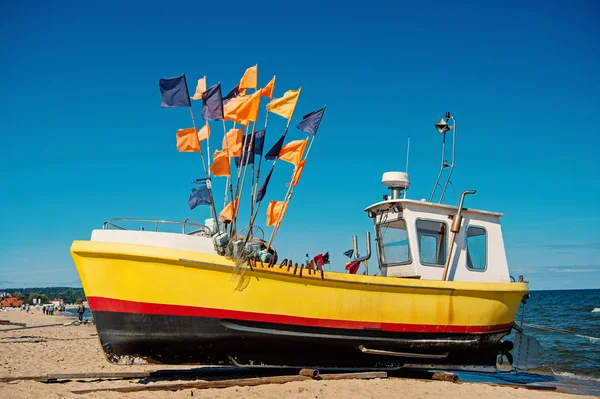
(432, 242)
(476, 248)
(393, 239)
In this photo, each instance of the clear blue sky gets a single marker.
(84, 138)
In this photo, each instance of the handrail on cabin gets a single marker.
(184, 224)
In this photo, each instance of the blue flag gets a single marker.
(238, 161)
(247, 153)
(259, 142)
(274, 151)
(174, 92)
(310, 122)
(199, 196)
(349, 253)
(262, 191)
(212, 104)
(235, 92)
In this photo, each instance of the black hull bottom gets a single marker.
(198, 340)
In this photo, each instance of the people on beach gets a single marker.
(80, 311)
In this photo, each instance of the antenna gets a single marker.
(407, 154)
(443, 127)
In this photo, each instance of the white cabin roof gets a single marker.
(406, 203)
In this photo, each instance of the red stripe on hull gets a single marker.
(118, 305)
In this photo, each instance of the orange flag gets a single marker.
(293, 151)
(204, 132)
(220, 166)
(298, 172)
(230, 109)
(200, 88)
(187, 140)
(250, 78)
(285, 105)
(275, 212)
(267, 91)
(232, 142)
(229, 211)
(248, 110)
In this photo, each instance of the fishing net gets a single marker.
(243, 248)
(241, 252)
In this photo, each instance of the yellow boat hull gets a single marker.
(174, 306)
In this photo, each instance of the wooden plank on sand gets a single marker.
(99, 376)
(237, 382)
(78, 376)
(40, 378)
(13, 323)
(29, 327)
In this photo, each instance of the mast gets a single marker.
(292, 186)
(443, 127)
(206, 171)
(229, 179)
(407, 154)
(273, 167)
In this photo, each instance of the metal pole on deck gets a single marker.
(206, 172)
(455, 229)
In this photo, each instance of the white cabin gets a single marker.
(413, 240)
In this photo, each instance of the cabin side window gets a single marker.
(431, 236)
(393, 241)
(476, 248)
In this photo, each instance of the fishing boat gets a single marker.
(442, 294)
(219, 293)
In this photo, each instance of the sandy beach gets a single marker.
(76, 349)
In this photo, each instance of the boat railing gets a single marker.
(187, 223)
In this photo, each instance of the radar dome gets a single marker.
(396, 180)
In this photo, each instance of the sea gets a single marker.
(72, 312)
(567, 325)
(571, 345)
